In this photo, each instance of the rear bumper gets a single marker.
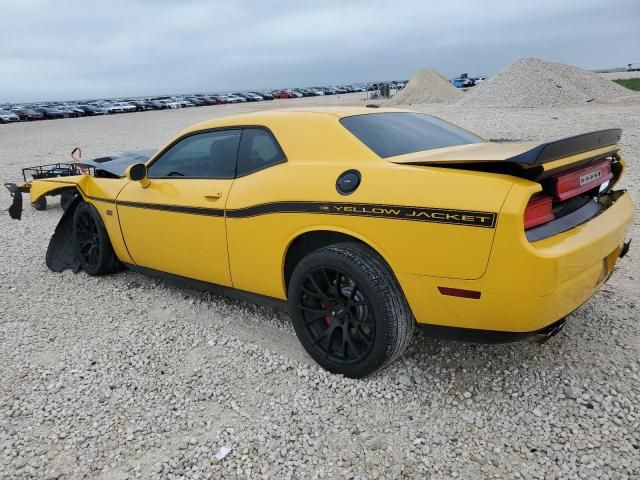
(527, 287)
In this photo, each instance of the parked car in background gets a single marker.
(182, 102)
(160, 104)
(92, 110)
(265, 95)
(7, 116)
(26, 114)
(243, 95)
(207, 100)
(99, 108)
(127, 107)
(141, 105)
(317, 91)
(198, 102)
(233, 98)
(111, 107)
(219, 99)
(165, 103)
(52, 113)
(72, 111)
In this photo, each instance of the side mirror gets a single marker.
(138, 173)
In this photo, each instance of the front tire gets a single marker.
(348, 310)
(92, 244)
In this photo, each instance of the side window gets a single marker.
(203, 155)
(258, 150)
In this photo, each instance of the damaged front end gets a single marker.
(72, 182)
(61, 253)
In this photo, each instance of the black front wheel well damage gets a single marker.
(309, 242)
(61, 254)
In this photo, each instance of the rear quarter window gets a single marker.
(390, 134)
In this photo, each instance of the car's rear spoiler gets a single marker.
(520, 155)
(527, 160)
(566, 147)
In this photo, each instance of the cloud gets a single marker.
(75, 49)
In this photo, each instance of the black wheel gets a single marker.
(66, 198)
(40, 204)
(348, 310)
(93, 248)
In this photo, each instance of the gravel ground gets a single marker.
(128, 377)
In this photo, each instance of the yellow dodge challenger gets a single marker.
(368, 222)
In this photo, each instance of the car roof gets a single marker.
(263, 117)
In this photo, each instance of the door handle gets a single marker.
(213, 195)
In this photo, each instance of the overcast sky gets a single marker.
(61, 49)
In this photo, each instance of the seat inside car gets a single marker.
(223, 153)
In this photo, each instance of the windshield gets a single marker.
(395, 133)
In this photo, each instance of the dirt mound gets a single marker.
(531, 82)
(426, 86)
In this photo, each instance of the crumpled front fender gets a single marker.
(38, 188)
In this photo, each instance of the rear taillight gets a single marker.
(538, 211)
(580, 180)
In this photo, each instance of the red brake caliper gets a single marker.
(327, 318)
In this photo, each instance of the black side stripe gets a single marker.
(469, 218)
(212, 212)
(397, 212)
(420, 214)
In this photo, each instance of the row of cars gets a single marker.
(45, 111)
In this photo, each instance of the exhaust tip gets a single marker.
(545, 334)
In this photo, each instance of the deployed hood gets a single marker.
(117, 164)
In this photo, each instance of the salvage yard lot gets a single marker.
(129, 377)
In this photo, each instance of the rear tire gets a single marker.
(348, 310)
(40, 204)
(92, 244)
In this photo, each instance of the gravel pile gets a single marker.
(531, 82)
(125, 377)
(426, 86)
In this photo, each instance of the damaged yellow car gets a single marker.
(368, 222)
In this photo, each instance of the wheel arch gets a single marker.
(306, 241)
(38, 188)
(35, 196)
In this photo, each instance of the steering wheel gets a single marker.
(174, 173)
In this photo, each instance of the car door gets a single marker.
(177, 223)
(254, 237)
